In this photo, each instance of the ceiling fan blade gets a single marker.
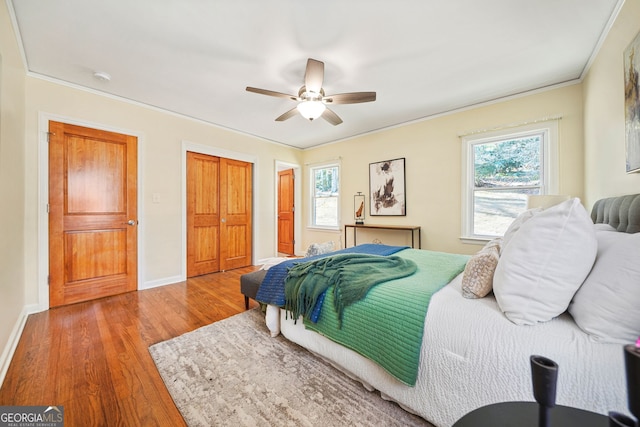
(314, 75)
(331, 117)
(271, 93)
(287, 115)
(350, 98)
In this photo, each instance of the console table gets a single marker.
(410, 228)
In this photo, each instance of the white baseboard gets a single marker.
(14, 338)
(161, 282)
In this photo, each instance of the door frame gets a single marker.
(216, 152)
(297, 202)
(43, 197)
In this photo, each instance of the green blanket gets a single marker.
(387, 325)
(351, 275)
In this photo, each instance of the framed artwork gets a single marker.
(387, 188)
(632, 104)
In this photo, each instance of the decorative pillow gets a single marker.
(477, 280)
(607, 305)
(544, 263)
(319, 248)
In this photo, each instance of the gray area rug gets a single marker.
(233, 373)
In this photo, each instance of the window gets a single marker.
(500, 170)
(325, 185)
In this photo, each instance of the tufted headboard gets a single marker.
(622, 213)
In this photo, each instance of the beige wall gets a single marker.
(605, 174)
(12, 254)
(432, 149)
(161, 138)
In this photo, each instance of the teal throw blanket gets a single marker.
(387, 325)
(351, 275)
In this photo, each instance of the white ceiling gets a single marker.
(422, 57)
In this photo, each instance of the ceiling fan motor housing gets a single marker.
(310, 96)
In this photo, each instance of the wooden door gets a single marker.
(235, 213)
(285, 211)
(203, 214)
(92, 214)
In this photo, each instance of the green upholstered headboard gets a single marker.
(622, 213)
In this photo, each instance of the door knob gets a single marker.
(132, 222)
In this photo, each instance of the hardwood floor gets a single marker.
(92, 358)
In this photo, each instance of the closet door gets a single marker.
(235, 214)
(203, 214)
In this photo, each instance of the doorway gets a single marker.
(286, 210)
(291, 186)
(93, 213)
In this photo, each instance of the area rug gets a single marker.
(233, 373)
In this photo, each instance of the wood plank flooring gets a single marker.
(93, 359)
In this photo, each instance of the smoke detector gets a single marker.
(102, 76)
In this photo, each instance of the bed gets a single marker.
(475, 351)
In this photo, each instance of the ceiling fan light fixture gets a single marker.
(311, 110)
(311, 97)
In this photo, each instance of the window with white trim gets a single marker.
(325, 196)
(500, 170)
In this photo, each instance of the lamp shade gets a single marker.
(545, 201)
(311, 109)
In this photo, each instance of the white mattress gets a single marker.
(472, 355)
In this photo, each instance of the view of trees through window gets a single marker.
(325, 200)
(505, 172)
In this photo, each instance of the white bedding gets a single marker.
(472, 355)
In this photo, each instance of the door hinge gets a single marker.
(48, 208)
(49, 136)
(48, 280)
(293, 208)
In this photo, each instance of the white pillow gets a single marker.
(544, 263)
(603, 227)
(517, 223)
(607, 305)
(270, 262)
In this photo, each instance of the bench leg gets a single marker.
(246, 302)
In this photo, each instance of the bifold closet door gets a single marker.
(218, 214)
(235, 213)
(203, 214)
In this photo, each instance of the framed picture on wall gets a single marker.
(632, 104)
(387, 188)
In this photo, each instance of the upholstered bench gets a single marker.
(249, 284)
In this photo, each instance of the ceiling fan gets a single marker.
(312, 102)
